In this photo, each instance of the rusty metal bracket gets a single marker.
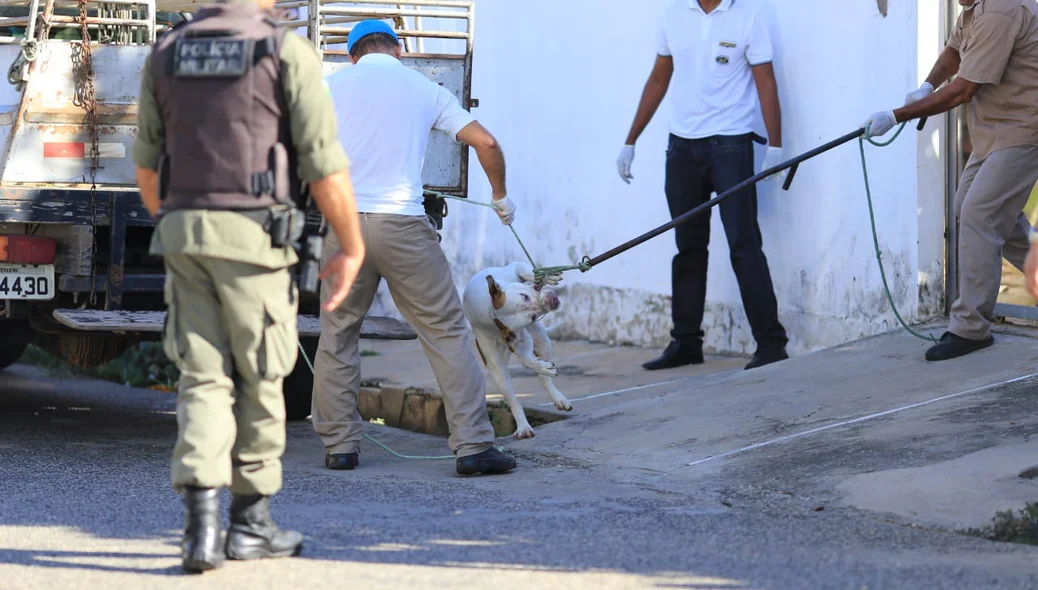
(116, 252)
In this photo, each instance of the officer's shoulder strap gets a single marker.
(171, 29)
(271, 45)
(167, 65)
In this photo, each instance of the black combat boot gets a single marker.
(253, 534)
(200, 547)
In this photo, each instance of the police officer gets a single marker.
(233, 117)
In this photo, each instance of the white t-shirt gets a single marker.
(712, 90)
(385, 112)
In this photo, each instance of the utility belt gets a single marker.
(287, 227)
(284, 220)
(284, 224)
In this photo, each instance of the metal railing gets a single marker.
(122, 22)
(327, 21)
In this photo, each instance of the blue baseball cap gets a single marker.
(367, 27)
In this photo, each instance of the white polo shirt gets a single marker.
(385, 112)
(712, 90)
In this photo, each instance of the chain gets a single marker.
(17, 74)
(83, 72)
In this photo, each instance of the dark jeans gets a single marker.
(694, 169)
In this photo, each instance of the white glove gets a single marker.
(623, 163)
(916, 95)
(879, 123)
(774, 158)
(505, 209)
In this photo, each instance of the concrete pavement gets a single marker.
(605, 498)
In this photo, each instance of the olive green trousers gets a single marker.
(231, 330)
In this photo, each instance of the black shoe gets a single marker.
(678, 354)
(489, 462)
(342, 461)
(200, 546)
(254, 534)
(952, 346)
(766, 355)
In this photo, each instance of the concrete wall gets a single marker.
(558, 84)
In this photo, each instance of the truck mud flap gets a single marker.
(95, 320)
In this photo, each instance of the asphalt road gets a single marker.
(85, 502)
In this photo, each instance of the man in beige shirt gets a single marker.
(993, 52)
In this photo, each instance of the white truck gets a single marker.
(76, 278)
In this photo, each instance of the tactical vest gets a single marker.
(217, 84)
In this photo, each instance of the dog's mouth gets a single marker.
(548, 301)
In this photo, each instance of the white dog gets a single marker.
(504, 306)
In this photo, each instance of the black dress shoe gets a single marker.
(253, 534)
(767, 355)
(342, 460)
(952, 346)
(489, 462)
(200, 546)
(678, 354)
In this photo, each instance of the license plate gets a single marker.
(19, 281)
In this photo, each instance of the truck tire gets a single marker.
(298, 387)
(17, 336)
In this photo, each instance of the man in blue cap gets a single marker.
(386, 112)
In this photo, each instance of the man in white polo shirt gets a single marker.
(386, 112)
(714, 56)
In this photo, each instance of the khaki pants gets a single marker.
(404, 251)
(988, 206)
(231, 330)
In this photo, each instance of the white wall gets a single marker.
(558, 82)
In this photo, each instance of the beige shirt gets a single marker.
(997, 42)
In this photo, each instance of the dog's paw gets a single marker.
(564, 405)
(524, 432)
(547, 369)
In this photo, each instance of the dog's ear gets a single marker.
(497, 296)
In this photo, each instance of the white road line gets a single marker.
(861, 419)
(625, 390)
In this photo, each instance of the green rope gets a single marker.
(539, 271)
(875, 235)
(368, 436)
(402, 456)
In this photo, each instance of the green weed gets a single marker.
(1010, 527)
(144, 365)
